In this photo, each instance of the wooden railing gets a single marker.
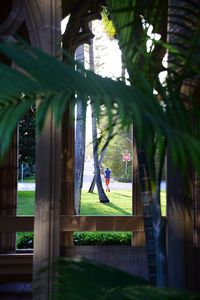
(21, 263)
(77, 223)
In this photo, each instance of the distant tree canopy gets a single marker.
(113, 157)
(27, 138)
(120, 142)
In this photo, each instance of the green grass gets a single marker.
(120, 203)
(30, 179)
(26, 203)
(163, 203)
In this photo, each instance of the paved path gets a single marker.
(25, 186)
(114, 185)
(89, 173)
(87, 178)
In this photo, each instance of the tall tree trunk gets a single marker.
(153, 223)
(103, 152)
(79, 154)
(79, 143)
(150, 197)
(102, 196)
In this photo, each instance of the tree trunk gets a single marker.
(92, 185)
(103, 152)
(79, 154)
(79, 143)
(153, 224)
(102, 196)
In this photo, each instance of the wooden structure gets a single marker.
(39, 23)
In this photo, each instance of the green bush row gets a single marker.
(102, 238)
(25, 240)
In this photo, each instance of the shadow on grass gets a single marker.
(117, 208)
(121, 195)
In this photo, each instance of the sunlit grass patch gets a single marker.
(120, 204)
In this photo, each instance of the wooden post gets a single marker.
(179, 194)
(47, 214)
(179, 227)
(138, 238)
(43, 23)
(67, 185)
(8, 194)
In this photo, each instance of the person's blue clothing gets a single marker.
(107, 173)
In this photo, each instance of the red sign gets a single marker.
(126, 157)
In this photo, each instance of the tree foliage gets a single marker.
(136, 102)
(118, 142)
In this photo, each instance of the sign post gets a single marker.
(126, 157)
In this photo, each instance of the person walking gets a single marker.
(107, 173)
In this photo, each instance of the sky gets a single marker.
(107, 52)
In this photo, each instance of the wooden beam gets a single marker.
(77, 223)
(101, 223)
(15, 224)
(8, 193)
(16, 263)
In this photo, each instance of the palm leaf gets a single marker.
(129, 18)
(82, 279)
(54, 83)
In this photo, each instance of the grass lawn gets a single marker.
(29, 179)
(120, 203)
(26, 203)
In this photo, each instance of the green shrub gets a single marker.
(24, 240)
(102, 238)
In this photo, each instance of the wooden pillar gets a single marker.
(67, 185)
(8, 194)
(43, 20)
(179, 187)
(179, 228)
(138, 238)
(47, 213)
(9, 165)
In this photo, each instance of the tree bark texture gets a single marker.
(102, 196)
(79, 143)
(79, 154)
(103, 153)
(154, 226)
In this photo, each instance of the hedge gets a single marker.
(25, 240)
